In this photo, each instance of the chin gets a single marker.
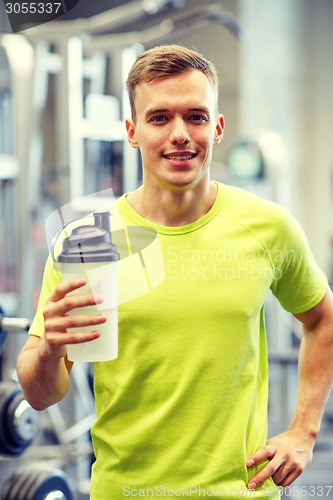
(183, 180)
(179, 184)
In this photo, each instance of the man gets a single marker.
(182, 411)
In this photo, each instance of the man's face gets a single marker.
(176, 128)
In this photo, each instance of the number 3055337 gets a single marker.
(32, 7)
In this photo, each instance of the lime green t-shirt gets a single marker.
(185, 403)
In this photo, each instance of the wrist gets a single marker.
(46, 355)
(308, 429)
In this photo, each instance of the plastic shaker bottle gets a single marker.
(89, 252)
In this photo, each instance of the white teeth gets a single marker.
(179, 158)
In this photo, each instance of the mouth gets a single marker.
(180, 156)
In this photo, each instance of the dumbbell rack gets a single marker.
(47, 452)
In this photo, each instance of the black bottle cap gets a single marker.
(90, 243)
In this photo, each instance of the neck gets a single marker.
(173, 208)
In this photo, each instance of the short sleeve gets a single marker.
(299, 284)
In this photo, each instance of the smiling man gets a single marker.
(183, 410)
(175, 124)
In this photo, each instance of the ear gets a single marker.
(219, 129)
(130, 127)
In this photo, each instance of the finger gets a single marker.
(286, 474)
(264, 474)
(281, 475)
(66, 287)
(81, 337)
(289, 479)
(58, 340)
(264, 453)
(63, 323)
(70, 302)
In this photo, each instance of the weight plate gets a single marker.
(30, 478)
(7, 392)
(18, 420)
(22, 420)
(50, 481)
(37, 484)
(13, 485)
(55, 495)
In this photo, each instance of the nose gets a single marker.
(179, 133)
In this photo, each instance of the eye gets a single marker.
(159, 119)
(198, 118)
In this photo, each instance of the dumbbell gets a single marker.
(18, 420)
(37, 483)
(11, 325)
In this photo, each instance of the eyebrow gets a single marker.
(154, 111)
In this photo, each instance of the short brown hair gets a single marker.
(167, 60)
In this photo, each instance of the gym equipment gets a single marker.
(37, 483)
(3, 332)
(10, 325)
(18, 420)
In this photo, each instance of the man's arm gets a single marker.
(44, 380)
(42, 366)
(290, 452)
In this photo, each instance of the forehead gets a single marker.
(191, 88)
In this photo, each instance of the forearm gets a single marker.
(315, 378)
(44, 380)
(291, 452)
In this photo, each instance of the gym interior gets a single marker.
(63, 104)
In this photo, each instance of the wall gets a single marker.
(286, 82)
